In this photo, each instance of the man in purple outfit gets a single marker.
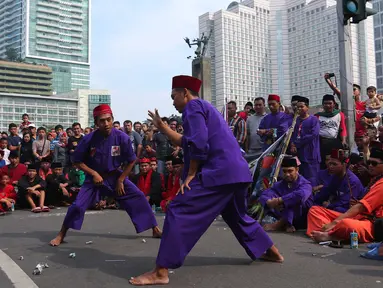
(273, 125)
(100, 155)
(288, 200)
(305, 141)
(217, 176)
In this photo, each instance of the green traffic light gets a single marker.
(351, 6)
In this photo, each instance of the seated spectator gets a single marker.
(15, 170)
(358, 167)
(4, 135)
(57, 185)
(31, 187)
(2, 161)
(45, 168)
(288, 200)
(148, 152)
(7, 194)
(76, 178)
(329, 225)
(154, 167)
(175, 185)
(3, 147)
(149, 182)
(323, 178)
(26, 151)
(344, 185)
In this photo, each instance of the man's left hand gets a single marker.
(120, 188)
(188, 179)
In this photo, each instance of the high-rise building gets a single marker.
(239, 51)
(42, 110)
(51, 32)
(283, 47)
(25, 78)
(378, 32)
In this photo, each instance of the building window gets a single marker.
(379, 70)
(378, 57)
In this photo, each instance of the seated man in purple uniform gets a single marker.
(288, 200)
(215, 181)
(100, 154)
(273, 125)
(305, 141)
(344, 186)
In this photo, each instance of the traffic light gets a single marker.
(350, 9)
(357, 10)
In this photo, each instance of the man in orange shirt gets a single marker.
(325, 225)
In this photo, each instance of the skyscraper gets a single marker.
(55, 33)
(283, 47)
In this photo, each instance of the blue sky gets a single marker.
(137, 47)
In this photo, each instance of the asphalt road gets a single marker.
(217, 261)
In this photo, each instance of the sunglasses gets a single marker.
(373, 163)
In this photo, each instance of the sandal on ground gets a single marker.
(372, 254)
(45, 209)
(36, 210)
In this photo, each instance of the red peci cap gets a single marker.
(274, 97)
(145, 160)
(188, 82)
(102, 109)
(340, 154)
(359, 134)
(153, 159)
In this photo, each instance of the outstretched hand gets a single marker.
(155, 118)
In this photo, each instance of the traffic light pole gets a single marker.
(346, 74)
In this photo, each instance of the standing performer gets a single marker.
(100, 155)
(217, 176)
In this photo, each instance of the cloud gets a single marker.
(138, 47)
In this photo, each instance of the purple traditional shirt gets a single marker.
(339, 192)
(208, 139)
(297, 198)
(306, 139)
(276, 121)
(104, 154)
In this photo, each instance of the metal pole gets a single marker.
(345, 70)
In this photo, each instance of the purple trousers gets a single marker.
(190, 215)
(310, 171)
(134, 202)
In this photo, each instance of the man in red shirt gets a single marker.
(15, 170)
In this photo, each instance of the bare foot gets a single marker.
(290, 229)
(157, 277)
(157, 233)
(59, 238)
(273, 255)
(277, 226)
(319, 236)
(57, 241)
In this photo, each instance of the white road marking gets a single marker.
(49, 214)
(15, 274)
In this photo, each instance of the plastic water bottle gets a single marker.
(354, 240)
(274, 133)
(13, 207)
(154, 208)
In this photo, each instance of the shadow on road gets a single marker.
(120, 265)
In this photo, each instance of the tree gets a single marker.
(11, 54)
